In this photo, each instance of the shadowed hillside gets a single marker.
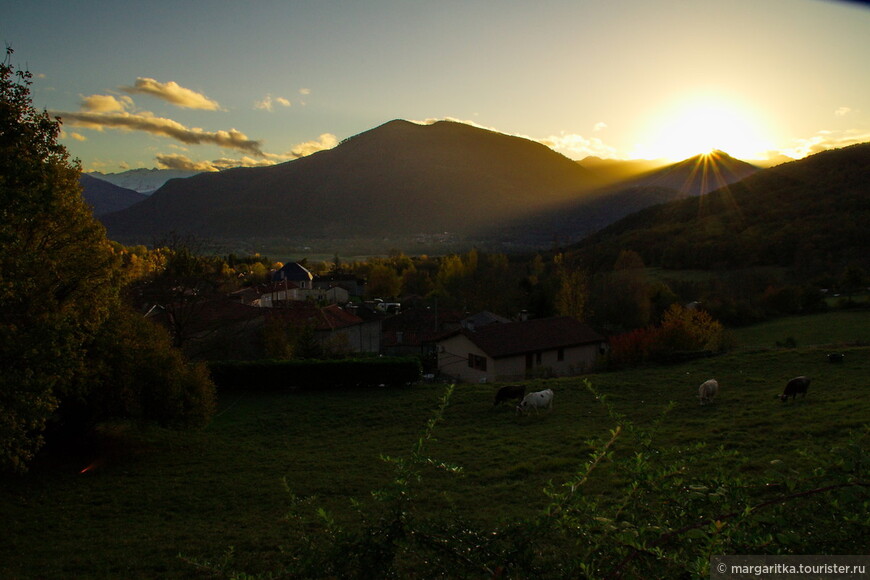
(105, 197)
(397, 179)
(580, 217)
(809, 214)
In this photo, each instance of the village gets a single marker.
(300, 314)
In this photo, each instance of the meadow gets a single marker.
(159, 503)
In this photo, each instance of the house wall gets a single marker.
(576, 360)
(363, 337)
(453, 360)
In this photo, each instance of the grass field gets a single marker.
(155, 494)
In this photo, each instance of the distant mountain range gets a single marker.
(404, 179)
(145, 181)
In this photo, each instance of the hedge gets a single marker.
(315, 374)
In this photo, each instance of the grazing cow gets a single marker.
(509, 393)
(707, 391)
(796, 386)
(538, 400)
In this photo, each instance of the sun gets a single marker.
(703, 125)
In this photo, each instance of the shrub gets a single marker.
(134, 372)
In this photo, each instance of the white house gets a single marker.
(509, 351)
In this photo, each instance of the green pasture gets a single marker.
(156, 503)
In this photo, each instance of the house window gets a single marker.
(560, 355)
(538, 357)
(476, 362)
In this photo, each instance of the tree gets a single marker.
(573, 293)
(57, 274)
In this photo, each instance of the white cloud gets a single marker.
(179, 161)
(824, 140)
(842, 111)
(147, 122)
(600, 126)
(172, 92)
(106, 103)
(325, 141)
(576, 146)
(268, 103)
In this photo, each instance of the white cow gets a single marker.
(537, 400)
(707, 391)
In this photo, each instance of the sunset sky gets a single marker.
(213, 84)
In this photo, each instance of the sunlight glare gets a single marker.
(702, 126)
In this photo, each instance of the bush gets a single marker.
(134, 372)
(316, 374)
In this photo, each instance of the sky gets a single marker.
(213, 84)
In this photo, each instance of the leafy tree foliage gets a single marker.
(133, 372)
(56, 269)
(71, 353)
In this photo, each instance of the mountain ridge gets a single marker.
(399, 177)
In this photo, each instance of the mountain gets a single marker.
(398, 179)
(696, 175)
(809, 214)
(105, 197)
(611, 171)
(580, 217)
(145, 181)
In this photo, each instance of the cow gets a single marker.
(793, 388)
(708, 390)
(509, 393)
(537, 400)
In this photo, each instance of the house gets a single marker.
(515, 350)
(355, 286)
(334, 327)
(295, 273)
(412, 331)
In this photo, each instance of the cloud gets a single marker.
(304, 91)
(576, 146)
(78, 136)
(600, 126)
(842, 111)
(149, 123)
(325, 141)
(173, 93)
(106, 103)
(268, 103)
(179, 161)
(824, 140)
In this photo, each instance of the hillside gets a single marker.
(397, 179)
(632, 186)
(803, 213)
(105, 197)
